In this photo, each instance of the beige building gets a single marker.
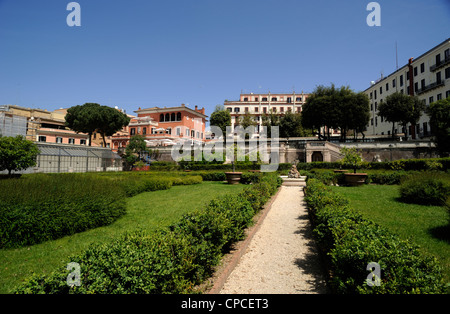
(258, 105)
(38, 125)
(427, 76)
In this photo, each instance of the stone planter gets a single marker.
(233, 177)
(355, 179)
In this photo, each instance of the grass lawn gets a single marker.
(426, 226)
(149, 211)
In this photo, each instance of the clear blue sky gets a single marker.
(142, 53)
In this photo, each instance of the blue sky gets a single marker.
(142, 53)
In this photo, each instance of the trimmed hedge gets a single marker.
(42, 207)
(37, 208)
(402, 164)
(172, 260)
(350, 242)
(430, 188)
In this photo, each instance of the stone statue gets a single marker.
(293, 173)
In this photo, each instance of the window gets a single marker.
(132, 131)
(438, 59)
(422, 67)
(401, 80)
(82, 142)
(264, 99)
(282, 109)
(153, 131)
(393, 83)
(431, 100)
(381, 90)
(172, 116)
(71, 141)
(246, 109)
(422, 84)
(42, 138)
(59, 140)
(425, 128)
(438, 78)
(236, 109)
(256, 109)
(407, 75)
(289, 100)
(144, 131)
(198, 134)
(375, 94)
(187, 132)
(447, 54)
(178, 116)
(439, 96)
(274, 109)
(192, 133)
(416, 87)
(161, 117)
(264, 109)
(447, 94)
(298, 99)
(447, 73)
(371, 95)
(256, 98)
(387, 86)
(230, 109)
(371, 107)
(167, 117)
(246, 99)
(274, 98)
(415, 71)
(178, 131)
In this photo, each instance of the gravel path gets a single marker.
(281, 258)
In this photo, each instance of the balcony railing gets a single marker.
(440, 64)
(431, 86)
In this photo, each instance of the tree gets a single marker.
(92, 117)
(439, 113)
(111, 121)
(335, 108)
(269, 120)
(401, 108)
(351, 158)
(17, 153)
(134, 149)
(220, 118)
(291, 126)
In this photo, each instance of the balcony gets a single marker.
(440, 64)
(431, 86)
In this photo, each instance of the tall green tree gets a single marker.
(92, 117)
(402, 109)
(17, 153)
(439, 113)
(220, 118)
(335, 108)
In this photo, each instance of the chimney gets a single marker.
(182, 105)
(196, 108)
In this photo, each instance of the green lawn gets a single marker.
(427, 226)
(150, 211)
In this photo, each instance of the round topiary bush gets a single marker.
(425, 189)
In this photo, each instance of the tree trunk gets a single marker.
(90, 135)
(104, 140)
(393, 128)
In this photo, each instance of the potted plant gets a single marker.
(233, 177)
(352, 159)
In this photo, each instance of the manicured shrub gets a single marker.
(43, 207)
(172, 260)
(350, 242)
(426, 188)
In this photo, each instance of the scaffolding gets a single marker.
(12, 125)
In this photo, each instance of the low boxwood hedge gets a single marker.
(349, 243)
(171, 260)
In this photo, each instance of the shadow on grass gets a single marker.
(441, 233)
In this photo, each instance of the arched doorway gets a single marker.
(317, 156)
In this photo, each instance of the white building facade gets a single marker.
(427, 77)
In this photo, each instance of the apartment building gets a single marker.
(38, 125)
(164, 126)
(427, 76)
(258, 105)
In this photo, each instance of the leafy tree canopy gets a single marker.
(17, 153)
(220, 118)
(439, 113)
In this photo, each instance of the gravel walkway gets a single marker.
(281, 258)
